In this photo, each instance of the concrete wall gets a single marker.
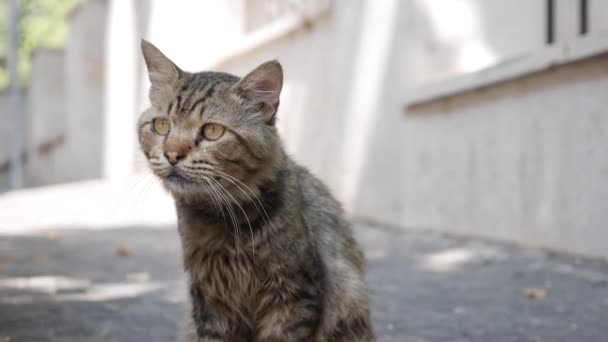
(348, 73)
(5, 140)
(509, 162)
(506, 163)
(45, 124)
(6, 132)
(447, 38)
(47, 119)
(63, 106)
(84, 68)
(525, 160)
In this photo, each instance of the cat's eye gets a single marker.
(212, 131)
(161, 126)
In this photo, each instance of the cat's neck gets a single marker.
(238, 209)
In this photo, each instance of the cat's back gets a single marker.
(320, 209)
(345, 289)
(324, 217)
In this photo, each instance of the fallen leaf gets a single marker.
(573, 327)
(123, 251)
(40, 259)
(7, 339)
(535, 293)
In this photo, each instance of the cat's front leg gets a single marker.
(209, 325)
(289, 315)
(356, 328)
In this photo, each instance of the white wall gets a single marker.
(509, 162)
(347, 77)
(447, 38)
(526, 160)
(519, 162)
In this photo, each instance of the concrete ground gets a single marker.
(125, 284)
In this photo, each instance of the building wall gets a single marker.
(509, 162)
(5, 130)
(63, 106)
(6, 134)
(46, 129)
(5, 140)
(84, 77)
(348, 73)
(503, 163)
(524, 160)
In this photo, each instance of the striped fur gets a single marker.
(268, 252)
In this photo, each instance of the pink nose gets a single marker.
(174, 157)
(176, 151)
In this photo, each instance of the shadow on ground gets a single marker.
(127, 285)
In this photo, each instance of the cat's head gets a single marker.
(208, 130)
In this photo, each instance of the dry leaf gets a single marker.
(7, 339)
(40, 259)
(123, 251)
(535, 293)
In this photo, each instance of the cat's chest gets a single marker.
(226, 276)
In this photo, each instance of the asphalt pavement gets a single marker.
(127, 284)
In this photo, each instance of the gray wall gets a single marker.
(521, 162)
(525, 160)
(64, 106)
(347, 76)
(47, 119)
(84, 67)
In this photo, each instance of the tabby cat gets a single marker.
(268, 252)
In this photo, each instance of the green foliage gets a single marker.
(43, 25)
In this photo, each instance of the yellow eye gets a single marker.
(161, 126)
(213, 131)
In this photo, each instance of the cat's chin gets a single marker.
(183, 187)
(178, 184)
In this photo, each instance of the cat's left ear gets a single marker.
(161, 70)
(262, 88)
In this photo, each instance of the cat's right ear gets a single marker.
(161, 70)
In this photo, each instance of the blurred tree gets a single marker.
(43, 25)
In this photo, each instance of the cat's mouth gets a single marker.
(175, 178)
(179, 181)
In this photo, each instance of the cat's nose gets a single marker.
(174, 156)
(175, 151)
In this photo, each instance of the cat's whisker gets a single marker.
(145, 188)
(137, 181)
(251, 199)
(215, 195)
(246, 217)
(226, 192)
(142, 183)
(217, 214)
(257, 198)
(231, 212)
(243, 211)
(206, 183)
